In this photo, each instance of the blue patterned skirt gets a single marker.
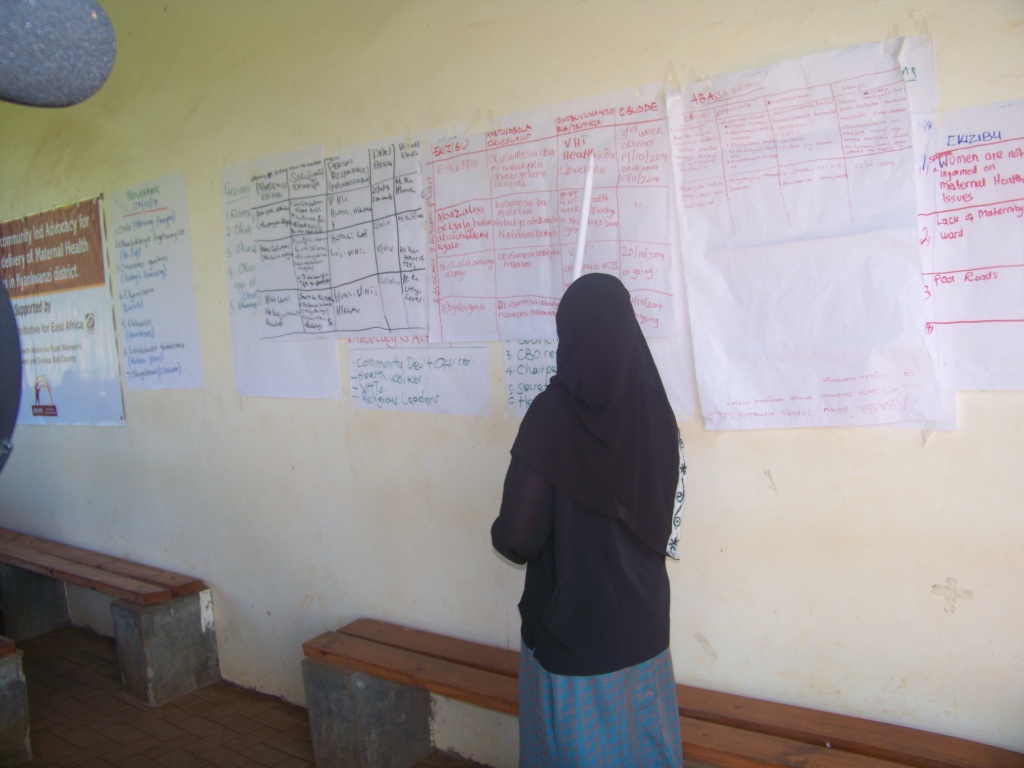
(623, 719)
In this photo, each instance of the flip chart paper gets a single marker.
(674, 354)
(54, 268)
(917, 59)
(301, 369)
(406, 373)
(971, 230)
(504, 210)
(341, 243)
(795, 191)
(529, 366)
(152, 256)
(916, 56)
(674, 357)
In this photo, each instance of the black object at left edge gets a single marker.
(10, 373)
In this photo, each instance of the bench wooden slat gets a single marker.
(906, 746)
(475, 686)
(491, 658)
(735, 748)
(123, 587)
(178, 584)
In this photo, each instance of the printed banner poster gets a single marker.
(53, 267)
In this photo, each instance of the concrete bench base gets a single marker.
(165, 650)
(14, 734)
(34, 605)
(361, 721)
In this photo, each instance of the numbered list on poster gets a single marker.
(155, 289)
(971, 200)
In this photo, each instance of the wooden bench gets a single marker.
(718, 729)
(114, 576)
(163, 621)
(15, 747)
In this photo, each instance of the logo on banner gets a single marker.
(38, 407)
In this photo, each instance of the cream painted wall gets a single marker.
(809, 555)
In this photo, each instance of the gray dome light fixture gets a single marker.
(54, 53)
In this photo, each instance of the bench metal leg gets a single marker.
(360, 721)
(166, 650)
(14, 736)
(33, 604)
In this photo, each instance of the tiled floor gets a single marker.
(79, 718)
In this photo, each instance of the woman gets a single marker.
(588, 506)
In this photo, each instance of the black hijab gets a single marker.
(603, 432)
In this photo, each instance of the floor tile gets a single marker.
(80, 717)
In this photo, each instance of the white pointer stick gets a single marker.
(581, 238)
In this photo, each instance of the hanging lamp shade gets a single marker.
(53, 53)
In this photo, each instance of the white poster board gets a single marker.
(152, 258)
(504, 213)
(340, 243)
(797, 205)
(407, 373)
(305, 369)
